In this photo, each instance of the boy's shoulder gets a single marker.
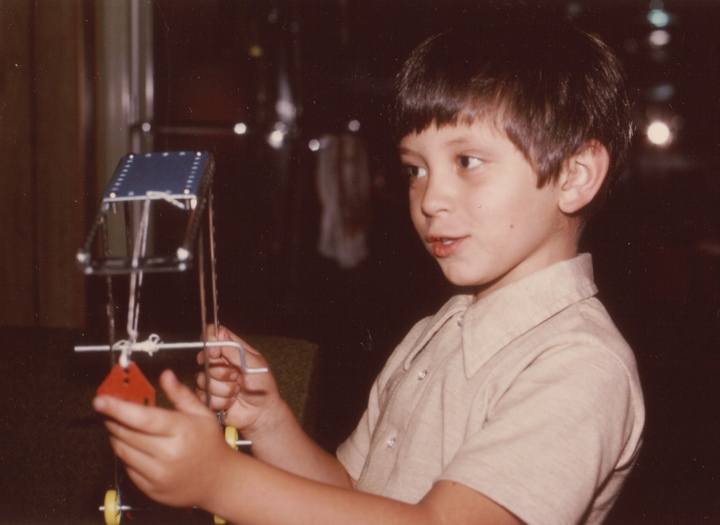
(553, 307)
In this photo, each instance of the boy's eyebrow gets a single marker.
(475, 141)
(406, 151)
(459, 140)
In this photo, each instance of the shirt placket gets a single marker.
(409, 390)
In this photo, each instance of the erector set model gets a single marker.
(175, 183)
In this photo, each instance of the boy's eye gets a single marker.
(413, 172)
(467, 162)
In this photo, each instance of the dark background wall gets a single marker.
(218, 63)
(43, 155)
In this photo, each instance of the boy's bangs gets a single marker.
(419, 109)
(435, 102)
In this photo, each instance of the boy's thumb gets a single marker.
(181, 396)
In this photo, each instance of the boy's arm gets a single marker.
(255, 493)
(285, 445)
(179, 458)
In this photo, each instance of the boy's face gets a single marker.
(475, 203)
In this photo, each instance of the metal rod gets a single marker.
(193, 345)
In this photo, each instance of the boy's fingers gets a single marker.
(215, 353)
(211, 334)
(182, 398)
(225, 386)
(132, 446)
(229, 336)
(217, 403)
(151, 420)
(136, 417)
(223, 372)
(138, 477)
(253, 358)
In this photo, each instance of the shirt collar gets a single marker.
(458, 304)
(492, 322)
(498, 319)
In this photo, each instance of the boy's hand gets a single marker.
(172, 456)
(249, 400)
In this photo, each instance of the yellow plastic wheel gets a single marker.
(111, 510)
(218, 520)
(232, 436)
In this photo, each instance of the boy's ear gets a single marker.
(583, 176)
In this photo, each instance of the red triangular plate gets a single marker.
(128, 384)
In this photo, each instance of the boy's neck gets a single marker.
(564, 248)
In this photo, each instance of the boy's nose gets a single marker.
(437, 197)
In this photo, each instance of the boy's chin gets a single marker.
(470, 284)
(461, 281)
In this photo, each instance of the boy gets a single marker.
(517, 403)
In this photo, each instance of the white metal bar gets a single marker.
(193, 345)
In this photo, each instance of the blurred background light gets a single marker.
(240, 128)
(658, 17)
(574, 9)
(659, 38)
(661, 92)
(286, 110)
(276, 137)
(658, 133)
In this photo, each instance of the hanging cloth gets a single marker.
(343, 185)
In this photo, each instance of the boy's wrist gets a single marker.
(212, 493)
(271, 423)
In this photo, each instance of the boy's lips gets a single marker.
(444, 246)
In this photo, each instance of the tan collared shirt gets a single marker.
(529, 395)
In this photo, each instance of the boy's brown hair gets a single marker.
(551, 87)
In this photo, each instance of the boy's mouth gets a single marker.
(444, 246)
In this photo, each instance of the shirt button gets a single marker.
(391, 442)
(461, 320)
(422, 375)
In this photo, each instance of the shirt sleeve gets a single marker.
(554, 436)
(353, 452)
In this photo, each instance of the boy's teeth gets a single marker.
(446, 241)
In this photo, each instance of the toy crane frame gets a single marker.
(181, 182)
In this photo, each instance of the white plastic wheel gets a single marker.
(111, 511)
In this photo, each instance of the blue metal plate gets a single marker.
(175, 174)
